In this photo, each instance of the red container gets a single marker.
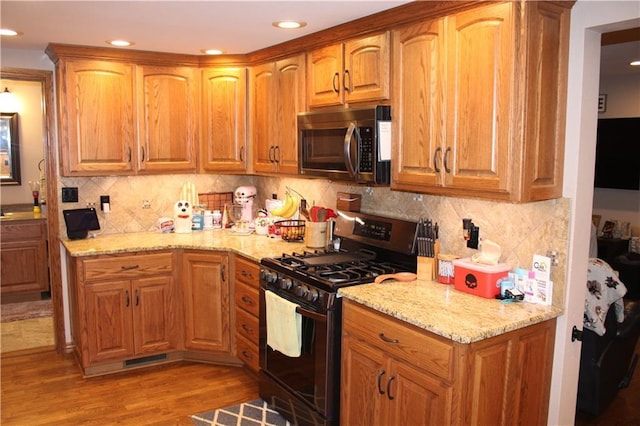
(478, 279)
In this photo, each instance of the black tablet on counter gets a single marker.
(80, 221)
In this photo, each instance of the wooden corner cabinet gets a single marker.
(277, 96)
(394, 373)
(205, 281)
(223, 147)
(357, 70)
(124, 309)
(478, 102)
(23, 253)
(246, 286)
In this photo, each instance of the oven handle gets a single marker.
(310, 314)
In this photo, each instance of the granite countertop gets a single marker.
(440, 309)
(252, 246)
(14, 216)
(432, 306)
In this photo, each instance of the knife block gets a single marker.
(428, 266)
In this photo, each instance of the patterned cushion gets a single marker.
(603, 290)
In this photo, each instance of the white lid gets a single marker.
(468, 263)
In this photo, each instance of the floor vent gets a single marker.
(145, 360)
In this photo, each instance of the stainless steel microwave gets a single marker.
(346, 145)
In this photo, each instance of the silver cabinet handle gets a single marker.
(388, 339)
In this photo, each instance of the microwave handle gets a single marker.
(348, 137)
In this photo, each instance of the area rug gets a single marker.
(25, 310)
(253, 413)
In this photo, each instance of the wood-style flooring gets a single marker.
(47, 388)
(27, 334)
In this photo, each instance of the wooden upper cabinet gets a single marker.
(477, 103)
(418, 104)
(168, 118)
(277, 97)
(354, 71)
(97, 117)
(481, 47)
(223, 146)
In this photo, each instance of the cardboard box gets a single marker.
(478, 279)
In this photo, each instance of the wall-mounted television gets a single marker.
(618, 153)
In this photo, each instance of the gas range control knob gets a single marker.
(285, 283)
(268, 276)
(302, 290)
(312, 295)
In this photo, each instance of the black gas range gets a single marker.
(306, 389)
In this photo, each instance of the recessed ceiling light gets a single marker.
(288, 25)
(120, 43)
(8, 32)
(635, 63)
(212, 51)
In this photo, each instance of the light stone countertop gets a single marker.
(429, 305)
(447, 312)
(254, 247)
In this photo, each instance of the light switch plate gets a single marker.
(70, 194)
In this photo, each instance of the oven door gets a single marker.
(313, 377)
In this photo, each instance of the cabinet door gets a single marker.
(262, 114)
(363, 383)
(416, 398)
(109, 320)
(97, 118)
(224, 135)
(366, 68)
(289, 101)
(155, 315)
(206, 297)
(23, 265)
(324, 76)
(418, 105)
(167, 118)
(480, 91)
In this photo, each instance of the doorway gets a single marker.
(44, 80)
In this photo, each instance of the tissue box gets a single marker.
(478, 279)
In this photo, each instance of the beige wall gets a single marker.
(28, 95)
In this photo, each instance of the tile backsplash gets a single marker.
(520, 229)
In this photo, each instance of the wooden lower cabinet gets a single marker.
(23, 254)
(205, 283)
(394, 373)
(246, 285)
(123, 308)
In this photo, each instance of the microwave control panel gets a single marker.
(366, 150)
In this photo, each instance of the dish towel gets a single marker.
(284, 325)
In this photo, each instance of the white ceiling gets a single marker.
(174, 26)
(189, 26)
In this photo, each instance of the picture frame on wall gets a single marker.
(602, 103)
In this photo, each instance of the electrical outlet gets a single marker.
(70, 194)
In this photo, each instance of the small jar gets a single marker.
(217, 219)
(208, 219)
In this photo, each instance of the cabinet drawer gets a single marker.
(401, 340)
(247, 298)
(126, 267)
(23, 231)
(247, 272)
(247, 325)
(248, 353)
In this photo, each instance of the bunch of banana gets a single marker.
(288, 208)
